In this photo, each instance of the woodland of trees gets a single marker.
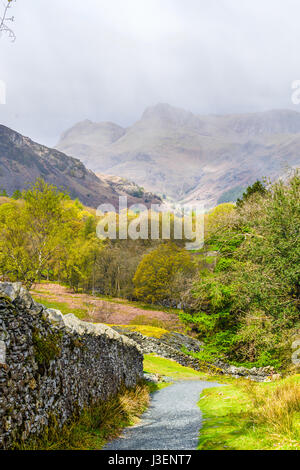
(46, 235)
(247, 308)
(240, 294)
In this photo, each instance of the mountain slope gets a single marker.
(189, 157)
(22, 161)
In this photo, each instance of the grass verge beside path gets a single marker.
(252, 416)
(242, 415)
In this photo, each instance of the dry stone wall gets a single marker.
(53, 365)
(168, 346)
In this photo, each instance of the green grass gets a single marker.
(146, 330)
(80, 313)
(43, 292)
(158, 365)
(155, 387)
(250, 416)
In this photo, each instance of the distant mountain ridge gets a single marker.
(22, 161)
(186, 156)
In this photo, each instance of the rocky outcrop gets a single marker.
(180, 341)
(52, 366)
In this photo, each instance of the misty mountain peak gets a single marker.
(165, 113)
(108, 129)
(192, 157)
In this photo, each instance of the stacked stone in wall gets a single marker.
(55, 365)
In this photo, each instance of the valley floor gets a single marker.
(242, 415)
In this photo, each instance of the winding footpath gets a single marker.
(172, 422)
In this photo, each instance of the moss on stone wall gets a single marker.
(46, 349)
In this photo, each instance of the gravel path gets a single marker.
(172, 422)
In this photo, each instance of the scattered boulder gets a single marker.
(257, 374)
(157, 378)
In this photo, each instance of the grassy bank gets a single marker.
(158, 365)
(250, 416)
(96, 425)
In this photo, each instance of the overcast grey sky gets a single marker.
(107, 60)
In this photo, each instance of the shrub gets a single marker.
(252, 297)
(157, 270)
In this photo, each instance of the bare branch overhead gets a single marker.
(6, 19)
